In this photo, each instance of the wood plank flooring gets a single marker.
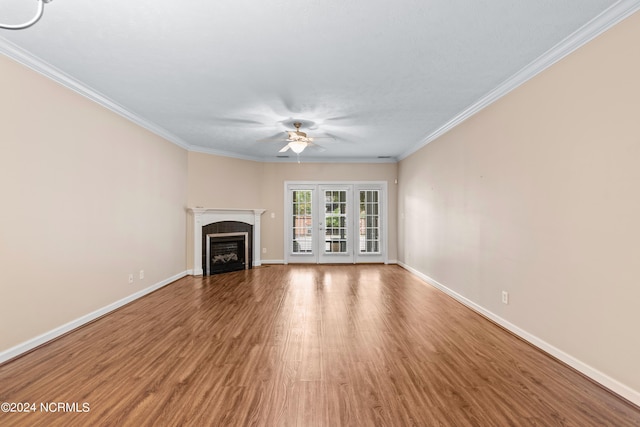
(302, 346)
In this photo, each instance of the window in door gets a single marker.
(302, 222)
(369, 223)
(335, 220)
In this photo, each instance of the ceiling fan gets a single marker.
(297, 140)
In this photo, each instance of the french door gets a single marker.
(335, 235)
(335, 222)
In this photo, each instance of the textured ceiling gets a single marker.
(379, 77)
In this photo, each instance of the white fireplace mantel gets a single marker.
(206, 216)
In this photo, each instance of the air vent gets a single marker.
(282, 157)
(384, 157)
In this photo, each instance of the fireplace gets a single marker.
(226, 252)
(218, 221)
(226, 246)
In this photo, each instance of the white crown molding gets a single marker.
(603, 379)
(222, 153)
(31, 344)
(598, 25)
(25, 58)
(292, 159)
(304, 159)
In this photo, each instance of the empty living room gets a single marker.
(319, 213)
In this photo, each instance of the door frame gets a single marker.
(356, 187)
(324, 257)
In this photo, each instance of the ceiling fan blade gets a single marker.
(325, 136)
(283, 149)
(337, 138)
(233, 120)
(280, 136)
(341, 118)
(316, 147)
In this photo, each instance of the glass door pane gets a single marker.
(336, 224)
(302, 222)
(335, 220)
(369, 225)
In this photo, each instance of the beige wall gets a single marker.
(87, 198)
(210, 182)
(261, 185)
(538, 195)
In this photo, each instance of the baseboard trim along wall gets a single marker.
(74, 324)
(615, 386)
(281, 261)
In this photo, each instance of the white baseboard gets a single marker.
(281, 261)
(599, 377)
(68, 327)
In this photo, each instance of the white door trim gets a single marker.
(314, 186)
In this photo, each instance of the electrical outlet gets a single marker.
(131, 278)
(141, 274)
(264, 250)
(505, 297)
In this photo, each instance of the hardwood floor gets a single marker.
(306, 346)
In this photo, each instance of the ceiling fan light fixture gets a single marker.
(297, 146)
(293, 136)
(297, 141)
